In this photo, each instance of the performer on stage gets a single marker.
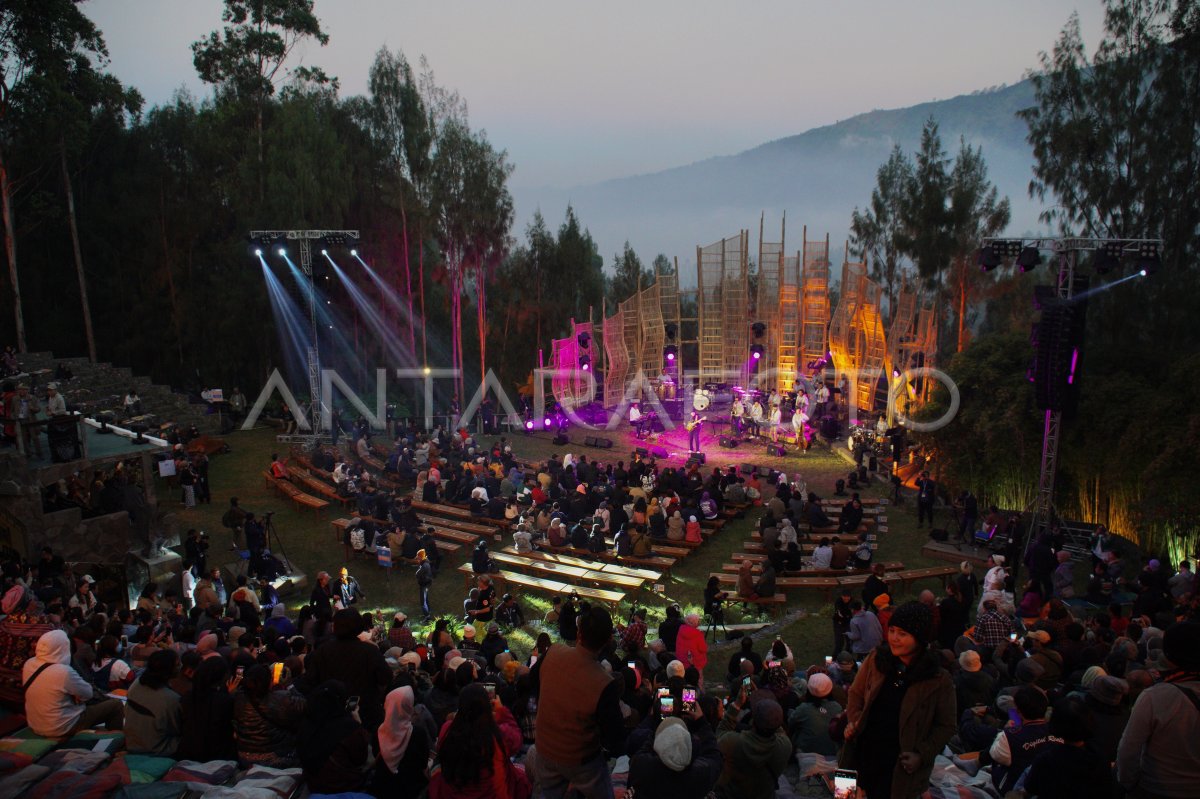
(736, 414)
(799, 418)
(693, 427)
(822, 399)
(666, 385)
(636, 419)
(774, 420)
(756, 416)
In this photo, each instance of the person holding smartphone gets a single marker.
(901, 709)
(681, 759)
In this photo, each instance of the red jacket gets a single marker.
(690, 646)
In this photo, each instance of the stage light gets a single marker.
(1029, 258)
(756, 351)
(585, 362)
(325, 253)
(282, 251)
(258, 252)
(670, 351)
(1143, 273)
(584, 339)
(546, 422)
(989, 259)
(672, 331)
(671, 355)
(1148, 259)
(529, 425)
(759, 328)
(354, 253)
(1107, 258)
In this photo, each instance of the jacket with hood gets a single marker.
(752, 762)
(55, 700)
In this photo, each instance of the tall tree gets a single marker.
(40, 41)
(1117, 154)
(247, 58)
(629, 275)
(878, 233)
(976, 211)
(926, 212)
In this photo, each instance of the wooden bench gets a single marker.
(608, 567)
(757, 560)
(554, 587)
(448, 540)
(824, 584)
(457, 512)
(568, 572)
(455, 524)
(912, 575)
(298, 475)
(293, 493)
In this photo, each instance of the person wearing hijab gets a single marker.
(403, 749)
(675, 527)
(332, 744)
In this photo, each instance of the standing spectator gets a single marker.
(901, 709)
(1159, 754)
(875, 585)
(864, 633)
(424, 582)
(926, 496)
(153, 711)
(968, 584)
(356, 663)
(1064, 577)
(322, 594)
(691, 646)
(349, 592)
(952, 616)
(579, 713)
(55, 693)
(842, 614)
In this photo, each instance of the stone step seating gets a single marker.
(100, 387)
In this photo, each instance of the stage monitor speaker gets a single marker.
(642, 451)
(747, 468)
(764, 471)
(561, 440)
(775, 449)
(599, 443)
(659, 452)
(829, 427)
(728, 442)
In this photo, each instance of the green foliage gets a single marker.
(628, 277)
(877, 234)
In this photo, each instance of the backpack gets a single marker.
(358, 539)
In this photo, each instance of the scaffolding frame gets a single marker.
(815, 317)
(856, 336)
(767, 305)
(616, 370)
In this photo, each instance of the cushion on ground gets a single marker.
(212, 772)
(79, 760)
(73, 785)
(153, 790)
(19, 782)
(24, 742)
(97, 740)
(148, 768)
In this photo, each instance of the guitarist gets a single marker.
(693, 428)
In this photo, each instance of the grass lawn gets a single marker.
(308, 541)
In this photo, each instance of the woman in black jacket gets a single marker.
(206, 725)
(333, 745)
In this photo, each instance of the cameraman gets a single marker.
(195, 549)
(256, 541)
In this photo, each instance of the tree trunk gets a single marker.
(10, 250)
(83, 292)
(421, 283)
(962, 302)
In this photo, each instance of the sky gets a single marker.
(583, 92)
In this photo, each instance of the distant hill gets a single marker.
(817, 177)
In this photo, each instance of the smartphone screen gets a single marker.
(276, 673)
(1012, 636)
(666, 705)
(352, 704)
(772, 664)
(845, 783)
(240, 671)
(828, 660)
(663, 692)
(689, 700)
(490, 687)
(746, 682)
(632, 664)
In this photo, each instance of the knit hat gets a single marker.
(845, 657)
(1041, 636)
(468, 631)
(1029, 670)
(676, 669)
(915, 619)
(1090, 676)
(1109, 690)
(410, 659)
(1181, 645)
(673, 744)
(969, 661)
(819, 685)
(881, 601)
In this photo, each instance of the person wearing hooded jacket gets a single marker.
(900, 710)
(57, 699)
(681, 760)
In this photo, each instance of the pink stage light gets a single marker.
(529, 425)
(586, 367)
(546, 422)
(1074, 363)
(670, 356)
(757, 355)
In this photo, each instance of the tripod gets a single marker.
(269, 531)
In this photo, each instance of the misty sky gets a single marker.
(581, 92)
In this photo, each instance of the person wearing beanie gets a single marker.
(1105, 699)
(972, 685)
(883, 611)
(753, 758)
(358, 664)
(901, 709)
(808, 723)
(1159, 752)
(681, 759)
